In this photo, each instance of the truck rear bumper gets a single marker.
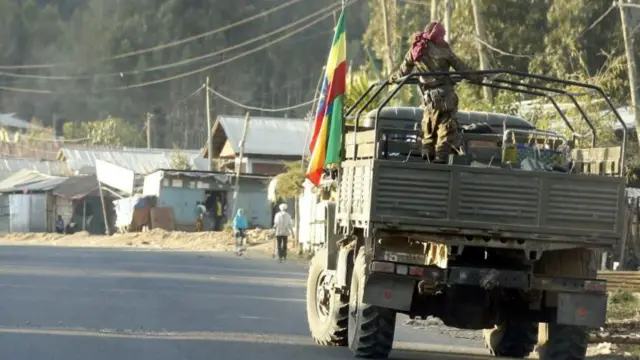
(580, 301)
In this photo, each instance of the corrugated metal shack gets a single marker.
(78, 198)
(31, 202)
(181, 190)
(27, 202)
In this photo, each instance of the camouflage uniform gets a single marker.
(439, 124)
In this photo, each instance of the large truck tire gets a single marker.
(327, 319)
(565, 342)
(514, 338)
(371, 328)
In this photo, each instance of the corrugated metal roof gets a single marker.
(11, 120)
(141, 161)
(9, 166)
(76, 187)
(268, 135)
(29, 181)
(222, 176)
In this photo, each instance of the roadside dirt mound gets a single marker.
(155, 238)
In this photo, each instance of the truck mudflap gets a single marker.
(580, 301)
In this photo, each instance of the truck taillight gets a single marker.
(380, 266)
(416, 271)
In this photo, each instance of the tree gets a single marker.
(179, 160)
(110, 132)
(357, 84)
(554, 37)
(289, 183)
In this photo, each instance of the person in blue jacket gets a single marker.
(239, 226)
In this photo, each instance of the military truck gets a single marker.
(502, 238)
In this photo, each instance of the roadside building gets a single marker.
(31, 202)
(181, 190)
(270, 142)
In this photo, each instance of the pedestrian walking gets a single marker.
(283, 226)
(239, 225)
(200, 210)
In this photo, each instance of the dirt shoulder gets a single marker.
(257, 240)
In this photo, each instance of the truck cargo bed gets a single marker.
(490, 202)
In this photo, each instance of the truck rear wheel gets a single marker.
(565, 342)
(371, 328)
(327, 314)
(514, 338)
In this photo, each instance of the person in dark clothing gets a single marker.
(71, 227)
(60, 225)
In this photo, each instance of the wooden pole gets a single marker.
(148, 126)
(387, 37)
(481, 34)
(631, 62)
(84, 214)
(104, 210)
(236, 187)
(448, 9)
(434, 10)
(209, 128)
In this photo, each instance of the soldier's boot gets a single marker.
(448, 140)
(428, 152)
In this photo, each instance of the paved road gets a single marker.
(64, 303)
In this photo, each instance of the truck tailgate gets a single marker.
(498, 202)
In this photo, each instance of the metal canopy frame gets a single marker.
(519, 86)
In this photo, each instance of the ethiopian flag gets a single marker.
(326, 140)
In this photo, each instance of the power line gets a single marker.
(193, 72)
(161, 46)
(247, 107)
(174, 64)
(196, 92)
(184, 74)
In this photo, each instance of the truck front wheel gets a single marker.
(327, 314)
(371, 328)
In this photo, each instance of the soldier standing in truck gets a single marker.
(431, 53)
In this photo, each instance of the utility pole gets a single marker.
(434, 10)
(387, 37)
(631, 62)
(148, 128)
(209, 128)
(236, 188)
(482, 53)
(448, 9)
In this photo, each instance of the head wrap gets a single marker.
(433, 32)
